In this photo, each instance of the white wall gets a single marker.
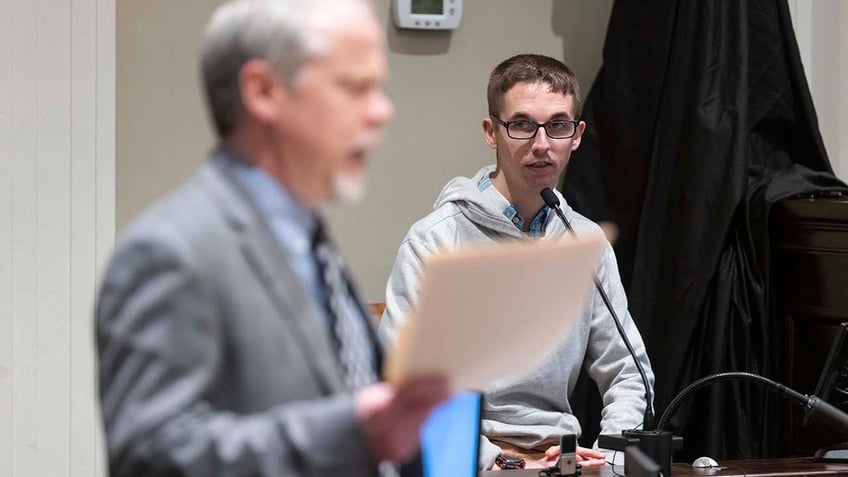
(821, 28)
(56, 225)
(438, 84)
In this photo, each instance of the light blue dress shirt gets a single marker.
(292, 224)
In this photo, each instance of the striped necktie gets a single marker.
(350, 330)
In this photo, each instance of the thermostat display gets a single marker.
(427, 7)
(427, 14)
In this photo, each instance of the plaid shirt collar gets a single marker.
(537, 225)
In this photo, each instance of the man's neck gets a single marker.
(250, 146)
(527, 202)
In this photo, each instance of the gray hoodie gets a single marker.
(533, 409)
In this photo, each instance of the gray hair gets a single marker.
(277, 31)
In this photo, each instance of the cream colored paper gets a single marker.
(489, 314)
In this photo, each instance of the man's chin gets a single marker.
(349, 189)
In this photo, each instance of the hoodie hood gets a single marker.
(480, 208)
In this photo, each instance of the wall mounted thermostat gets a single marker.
(427, 14)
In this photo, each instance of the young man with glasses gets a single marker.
(533, 126)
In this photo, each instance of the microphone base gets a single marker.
(834, 453)
(658, 445)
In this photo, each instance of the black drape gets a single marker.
(698, 121)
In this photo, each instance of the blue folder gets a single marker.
(450, 438)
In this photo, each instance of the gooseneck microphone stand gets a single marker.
(657, 445)
(832, 416)
(552, 201)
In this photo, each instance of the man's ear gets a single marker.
(578, 136)
(489, 133)
(260, 90)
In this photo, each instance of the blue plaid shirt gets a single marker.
(537, 225)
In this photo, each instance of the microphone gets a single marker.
(552, 201)
(832, 415)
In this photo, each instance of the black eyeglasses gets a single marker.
(524, 129)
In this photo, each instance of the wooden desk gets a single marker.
(742, 468)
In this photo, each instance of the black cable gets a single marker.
(744, 473)
(554, 471)
(615, 454)
(616, 473)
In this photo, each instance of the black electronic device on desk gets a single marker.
(833, 388)
(657, 445)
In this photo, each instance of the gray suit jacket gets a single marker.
(213, 358)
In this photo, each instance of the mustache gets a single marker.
(367, 143)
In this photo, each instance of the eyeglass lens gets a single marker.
(554, 129)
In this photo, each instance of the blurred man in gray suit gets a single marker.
(231, 341)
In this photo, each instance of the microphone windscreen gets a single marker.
(550, 198)
(829, 414)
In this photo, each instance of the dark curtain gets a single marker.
(698, 121)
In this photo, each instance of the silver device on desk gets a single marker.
(568, 454)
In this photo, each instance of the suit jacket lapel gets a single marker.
(264, 256)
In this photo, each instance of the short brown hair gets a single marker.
(529, 68)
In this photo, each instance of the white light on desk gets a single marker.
(427, 14)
